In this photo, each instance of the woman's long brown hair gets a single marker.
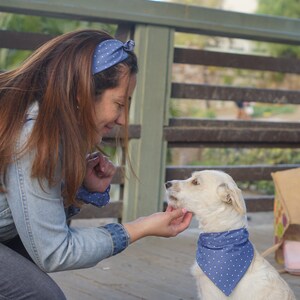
(59, 77)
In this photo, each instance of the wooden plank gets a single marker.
(119, 176)
(125, 31)
(245, 137)
(189, 132)
(22, 40)
(238, 173)
(211, 123)
(134, 132)
(259, 203)
(32, 40)
(238, 61)
(111, 210)
(226, 144)
(229, 93)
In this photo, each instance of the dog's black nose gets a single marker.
(168, 184)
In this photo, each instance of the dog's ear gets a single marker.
(231, 194)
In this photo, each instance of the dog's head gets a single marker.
(212, 196)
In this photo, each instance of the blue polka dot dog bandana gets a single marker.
(109, 53)
(225, 257)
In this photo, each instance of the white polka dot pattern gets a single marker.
(225, 257)
(109, 53)
(95, 198)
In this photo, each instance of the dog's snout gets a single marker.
(168, 184)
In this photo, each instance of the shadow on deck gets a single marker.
(156, 268)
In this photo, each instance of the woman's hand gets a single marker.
(164, 224)
(99, 173)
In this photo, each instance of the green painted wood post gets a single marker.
(154, 48)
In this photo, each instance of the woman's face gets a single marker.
(110, 107)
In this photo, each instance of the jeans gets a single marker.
(21, 278)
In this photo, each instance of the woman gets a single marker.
(54, 111)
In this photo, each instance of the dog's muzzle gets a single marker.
(170, 191)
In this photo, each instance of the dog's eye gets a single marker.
(195, 182)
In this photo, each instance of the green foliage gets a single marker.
(245, 156)
(263, 110)
(207, 3)
(195, 40)
(54, 26)
(208, 113)
(283, 8)
(190, 111)
(174, 111)
(228, 79)
(10, 58)
(190, 40)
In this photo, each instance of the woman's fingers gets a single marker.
(169, 208)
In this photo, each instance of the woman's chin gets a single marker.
(106, 130)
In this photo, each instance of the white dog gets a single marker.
(227, 265)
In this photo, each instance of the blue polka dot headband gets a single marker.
(109, 53)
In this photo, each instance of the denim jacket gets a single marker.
(38, 216)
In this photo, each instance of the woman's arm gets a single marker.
(39, 216)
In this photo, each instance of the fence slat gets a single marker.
(251, 137)
(211, 123)
(220, 133)
(239, 61)
(111, 210)
(259, 203)
(228, 93)
(22, 40)
(238, 173)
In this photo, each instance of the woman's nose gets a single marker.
(121, 119)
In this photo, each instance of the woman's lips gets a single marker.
(107, 129)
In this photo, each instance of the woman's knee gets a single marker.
(22, 279)
(45, 288)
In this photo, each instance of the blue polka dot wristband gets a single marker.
(94, 198)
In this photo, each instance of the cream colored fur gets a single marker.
(218, 205)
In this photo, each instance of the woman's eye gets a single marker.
(195, 182)
(120, 105)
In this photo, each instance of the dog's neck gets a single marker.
(218, 221)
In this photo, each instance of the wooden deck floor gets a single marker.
(155, 268)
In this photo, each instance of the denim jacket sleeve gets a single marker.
(40, 220)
